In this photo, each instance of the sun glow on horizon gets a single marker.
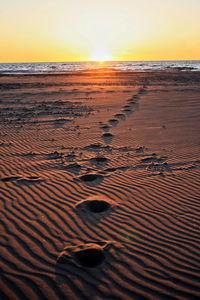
(100, 54)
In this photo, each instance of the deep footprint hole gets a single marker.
(119, 115)
(89, 177)
(105, 127)
(90, 257)
(99, 159)
(107, 134)
(97, 206)
(113, 121)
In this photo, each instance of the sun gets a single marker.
(100, 54)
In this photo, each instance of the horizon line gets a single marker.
(101, 62)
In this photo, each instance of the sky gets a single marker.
(81, 30)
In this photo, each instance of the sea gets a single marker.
(68, 67)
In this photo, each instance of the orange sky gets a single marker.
(79, 30)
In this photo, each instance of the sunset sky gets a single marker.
(80, 30)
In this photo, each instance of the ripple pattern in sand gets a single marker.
(140, 228)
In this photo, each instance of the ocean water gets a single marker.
(66, 67)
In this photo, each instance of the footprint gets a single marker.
(127, 110)
(95, 146)
(91, 257)
(33, 178)
(19, 179)
(107, 134)
(140, 149)
(96, 204)
(113, 122)
(127, 106)
(141, 91)
(91, 178)
(105, 127)
(154, 158)
(70, 157)
(120, 116)
(30, 179)
(107, 137)
(88, 255)
(131, 101)
(74, 168)
(110, 170)
(54, 155)
(10, 178)
(99, 159)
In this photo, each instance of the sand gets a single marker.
(99, 180)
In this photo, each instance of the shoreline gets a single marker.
(103, 73)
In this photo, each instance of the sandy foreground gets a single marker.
(99, 181)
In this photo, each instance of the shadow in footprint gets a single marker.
(133, 104)
(30, 180)
(60, 122)
(113, 122)
(54, 155)
(107, 137)
(70, 157)
(141, 91)
(88, 255)
(99, 160)
(91, 178)
(23, 180)
(105, 128)
(73, 168)
(110, 170)
(94, 147)
(136, 97)
(120, 116)
(90, 258)
(10, 178)
(95, 204)
(127, 111)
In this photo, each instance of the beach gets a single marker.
(99, 181)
